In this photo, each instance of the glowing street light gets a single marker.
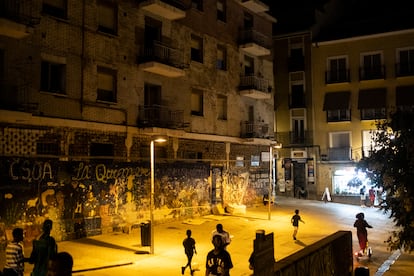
(155, 139)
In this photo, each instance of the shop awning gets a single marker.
(372, 98)
(336, 100)
(405, 96)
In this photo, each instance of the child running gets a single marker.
(295, 222)
(189, 249)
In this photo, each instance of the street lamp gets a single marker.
(156, 139)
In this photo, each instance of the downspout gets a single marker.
(82, 84)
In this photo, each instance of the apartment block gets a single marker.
(87, 85)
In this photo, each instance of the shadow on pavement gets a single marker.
(94, 242)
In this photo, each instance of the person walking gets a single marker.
(295, 222)
(361, 225)
(14, 255)
(190, 250)
(44, 248)
(371, 194)
(218, 262)
(224, 234)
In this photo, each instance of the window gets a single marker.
(56, 8)
(197, 4)
(372, 103)
(221, 10)
(337, 70)
(405, 59)
(47, 148)
(106, 85)
(404, 97)
(297, 90)
(255, 160)
(53, 76)
(298, 126)
(196, 48)
(239, 161)
(337, 106)
(197, 100)
(248, 21)
(107, 16)
(248, 66)
(371, 66)
(221, 57)
(101, 149)
(340, 146)
(222, 107)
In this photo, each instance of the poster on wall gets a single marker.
(311, 171)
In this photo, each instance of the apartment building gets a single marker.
(87, 85)
(353, 72)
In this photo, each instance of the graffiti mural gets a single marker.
(88, 198)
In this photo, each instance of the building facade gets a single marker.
(87, 85)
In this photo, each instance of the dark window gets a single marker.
(101, 149)
(248, 21)
(53, 77)
(339, 115)
(372, 104)
(221, 10)
(406, 65)
(297, 96)
(108, 16)
(106, 85)
(47, 148)
(197, 4)
(197, 102)
(221, 57)
(372, 67)
(196, 48)
(337, 71)
(57, 8)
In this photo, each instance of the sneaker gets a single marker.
(192, 271)
(182, 270)
(294, 238)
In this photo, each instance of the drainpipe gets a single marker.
(82, 57)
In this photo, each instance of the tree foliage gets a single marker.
(390, 167)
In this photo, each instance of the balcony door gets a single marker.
(152, 102)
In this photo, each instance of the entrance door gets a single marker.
(299, 177)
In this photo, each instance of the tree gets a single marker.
(390, 167)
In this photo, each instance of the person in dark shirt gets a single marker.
(190, 250)
(218, 262)
(361, 225)
(44, 248)
(295, 222)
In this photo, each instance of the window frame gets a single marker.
(54, 80)
(113, 30)
(221, 64)
(372, 71)
(221, 10)
(409, 71)
(60, 11)
(338, 74)
(102, 94)
(197, 53)
(222, 107)
(200, 97)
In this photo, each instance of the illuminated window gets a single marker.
(340, 146)
(106, 85)
(197, 101)
(107, 16)
(240, 161)
(222, 107)
(255, 160)
(53, 77)
(196, 48)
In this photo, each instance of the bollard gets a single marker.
(361, 271)
(260, 234)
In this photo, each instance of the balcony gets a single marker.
(255, 5)
(254, 43)
(372, 73)
(254, 130)
(337, 76)
(160, 116)
(167, 9)
(16, 17)
(13, 97)
(162, 60)
(404, 69)
(292, 138)
(255, 87)
(338, 154)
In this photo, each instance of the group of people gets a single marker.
(218, 261)
(46, 260)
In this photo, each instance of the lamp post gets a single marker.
(276, 146)
(159, 139)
